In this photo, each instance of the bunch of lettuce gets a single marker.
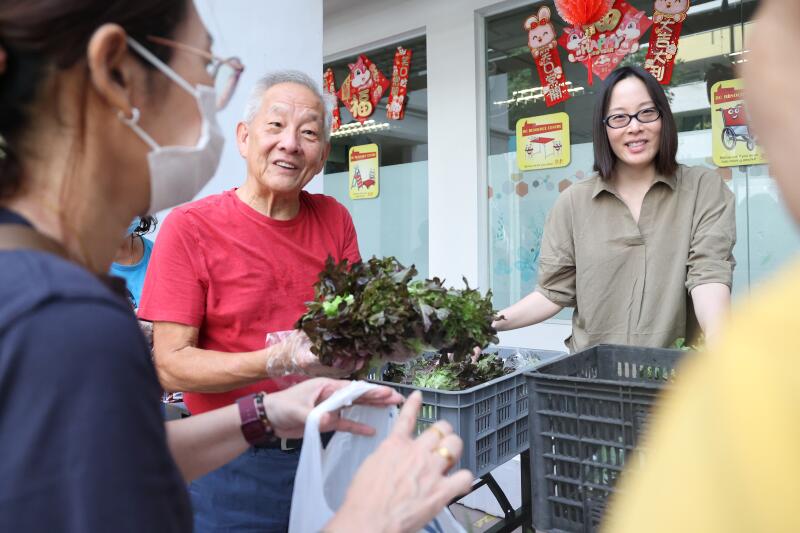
(376, 310)
(442, 374)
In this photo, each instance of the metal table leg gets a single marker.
(512, 518)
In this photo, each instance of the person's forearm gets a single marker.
(532, 309)
(205, 442)
(712, 302)
(196, 370)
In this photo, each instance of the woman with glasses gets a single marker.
(642, 250)
(101, 122)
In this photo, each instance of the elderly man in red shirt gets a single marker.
(230, 268)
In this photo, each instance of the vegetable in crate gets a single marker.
(439, 373)
(375, 309)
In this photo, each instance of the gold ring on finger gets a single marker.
(438, 432)
(448, 456)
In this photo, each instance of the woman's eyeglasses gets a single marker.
(620, 120)
(224, 71)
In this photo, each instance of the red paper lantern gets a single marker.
(582, 13)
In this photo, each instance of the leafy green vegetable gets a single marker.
(437, 378)
(374, 309)
(680, 344)
(439, 373)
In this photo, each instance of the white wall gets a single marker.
(457, 138)
(265, 36)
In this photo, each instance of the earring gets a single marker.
(132, 120)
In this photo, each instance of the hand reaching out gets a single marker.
(287, 410)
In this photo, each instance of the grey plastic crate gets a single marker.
(587, 412)
(491, 419)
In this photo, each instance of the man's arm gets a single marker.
(182, 366)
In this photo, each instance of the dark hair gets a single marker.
(604, 156)
(40, 35)
(146, 225)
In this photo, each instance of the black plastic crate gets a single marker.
(587, 411)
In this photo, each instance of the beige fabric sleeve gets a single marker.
(714, 234)
(556, 276)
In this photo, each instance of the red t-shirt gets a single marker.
(236, 275)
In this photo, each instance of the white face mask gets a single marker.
(177, 173)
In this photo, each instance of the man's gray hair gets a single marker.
(290, 76)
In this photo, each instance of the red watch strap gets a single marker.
(255, 431)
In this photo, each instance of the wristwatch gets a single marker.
(256, 427)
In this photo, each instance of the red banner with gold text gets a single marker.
(668, 17)
(396, 108)
(330, 88)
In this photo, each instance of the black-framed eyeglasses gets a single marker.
(224, 71)
(644, 116)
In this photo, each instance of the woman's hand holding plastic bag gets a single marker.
(288, 410)
(404, 484)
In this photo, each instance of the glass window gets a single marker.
(713, 41)
(396, 222)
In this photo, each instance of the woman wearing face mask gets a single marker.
(630, 247)
(118, 93)
(133, 255)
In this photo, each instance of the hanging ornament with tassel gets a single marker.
(582, 15)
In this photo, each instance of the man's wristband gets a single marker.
(256, 427)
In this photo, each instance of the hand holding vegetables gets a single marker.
(377, 310)
(289, 352)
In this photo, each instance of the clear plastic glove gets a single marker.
(521, 359)
(404, 484)
(289, 352)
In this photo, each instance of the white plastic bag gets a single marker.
(323, 476)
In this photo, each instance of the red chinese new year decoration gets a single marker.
(363, 88)
(582, 14)
(668, 17)
(396, 108)
(542, 42)
(330, 88)
(602, 45)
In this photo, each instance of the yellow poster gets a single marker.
(364, 169)
(733, 142)
(543, 141)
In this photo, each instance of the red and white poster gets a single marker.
(602, 45)
(363, 88)
(330, 88)
(396, 108)
(543, 46)
(668, 17)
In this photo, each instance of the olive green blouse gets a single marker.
(630, 283)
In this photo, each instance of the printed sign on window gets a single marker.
(543, 141)
(364, 169)
(733, 142)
